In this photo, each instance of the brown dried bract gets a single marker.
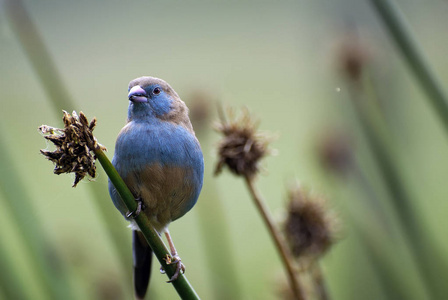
(309, 227)
(335, 151)
(242, 146)
(200, 110)
(74, 145)
(353, 57)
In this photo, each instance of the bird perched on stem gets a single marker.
(159, 157)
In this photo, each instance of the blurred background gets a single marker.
(285, 61)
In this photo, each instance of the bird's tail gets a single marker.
(142, 264)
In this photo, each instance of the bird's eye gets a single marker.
(157, 91)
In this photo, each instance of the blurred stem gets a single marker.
(393, 282)
(38, 54)
(218, 247)
(11, 282)
(213, 227)
(222, 268)
(421, 248)
(36, 244)
(181, 284)
(276, 236)
(60, 98)
(370, 230)
(401, 34)
(319, 282)
(375, 206)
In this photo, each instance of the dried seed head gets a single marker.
(309, 227)
(74, 145)
(353, 57)
(242, 146)
(335, 152)
(200, 110)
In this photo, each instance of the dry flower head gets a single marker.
(242, 147)
(200, 110)
(309, 227)
(353, 57)
(335, 151)
(74, 145)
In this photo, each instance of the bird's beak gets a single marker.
(137, 94)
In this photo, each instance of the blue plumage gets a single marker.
(160, 159)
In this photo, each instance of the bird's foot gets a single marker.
(134, 214)
(175, 259)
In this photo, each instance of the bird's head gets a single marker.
(152, 97)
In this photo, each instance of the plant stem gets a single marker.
(38, 55)
(13, 285)
(389, 277)
(374, 240)
(276, 236)
(222, 272)
(319, 282)
(36, 242)
(421, 248)
(181, 284)
(395, 24)
(60, 98)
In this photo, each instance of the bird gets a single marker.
(160, 159)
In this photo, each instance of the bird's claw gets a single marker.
(175, 259)
(134, 214)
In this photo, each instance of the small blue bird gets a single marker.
(159, 157)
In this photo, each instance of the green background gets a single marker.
(277, 58)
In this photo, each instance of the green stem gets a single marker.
(222, 270)
(60, 98)
(320, 286)
(51, 280)
(372, 240)
(38, 54)
(420, 246)
(392, 282)
(408, 46)
(282, 249)
(181, 284)
(12, 283)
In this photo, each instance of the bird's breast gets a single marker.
(165, 143)
(162, 164)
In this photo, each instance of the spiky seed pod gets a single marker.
(353, 57)
(335, 152)
(242, 147)
(309, 227)
(200, 110)
(74, 145)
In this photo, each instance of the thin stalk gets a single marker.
(38, 55)
(320, 286)
(11, 279)
(37, 246)
(401, 34)
(222, 270)
(381, 259)
(60, 98)
(421, 248)
(181, 284)
(278, 241)
(391, 280)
